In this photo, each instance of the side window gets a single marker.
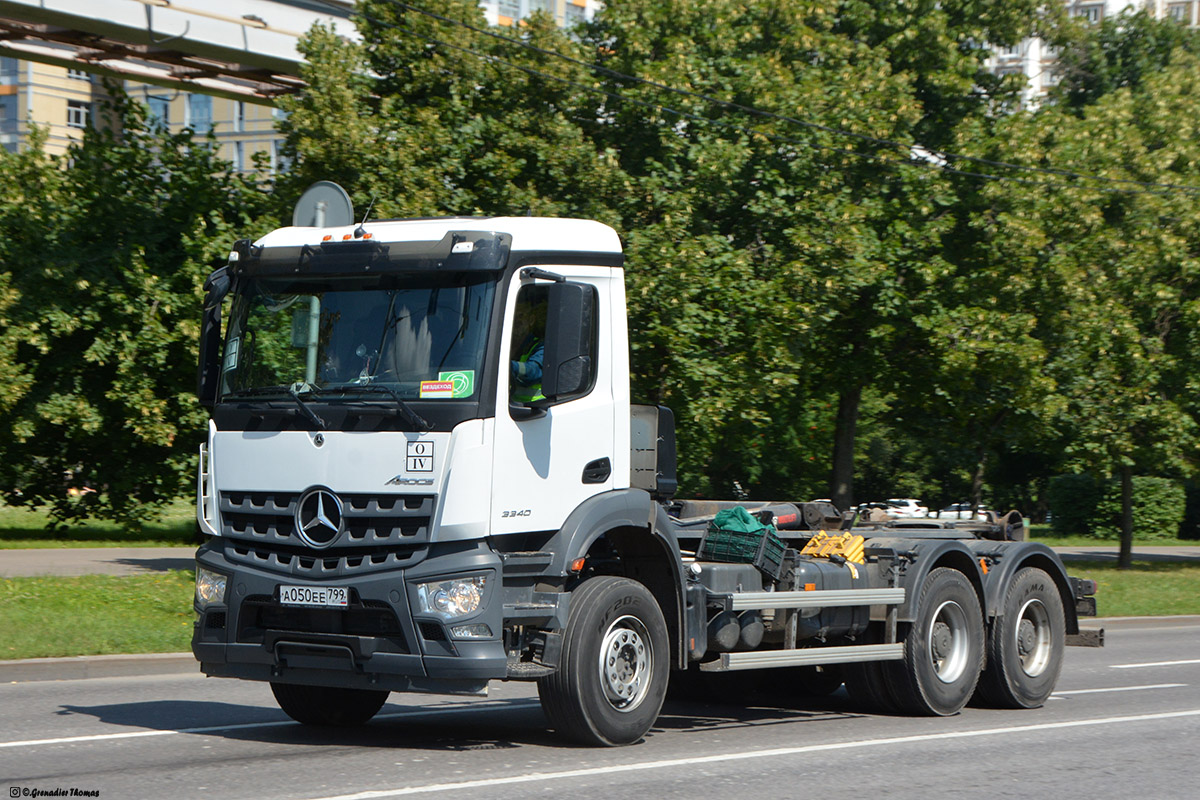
(552, 355)
(528, 347)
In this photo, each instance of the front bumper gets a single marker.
(376, 643)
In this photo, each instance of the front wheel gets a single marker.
(1025, 647)
(613, 673)
(943, 648)
(328, 705)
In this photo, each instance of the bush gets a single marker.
(1073, 500)
(1158, 506)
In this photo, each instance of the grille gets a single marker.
(379, 532)
(261, 613)
(432, 632)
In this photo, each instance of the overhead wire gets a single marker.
(1144, 187)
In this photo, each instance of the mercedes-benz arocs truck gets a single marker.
(396, 500)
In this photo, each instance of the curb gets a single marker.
(81, 667)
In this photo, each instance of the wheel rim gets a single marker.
(949, 642)
(626, 660)
(1034, 637)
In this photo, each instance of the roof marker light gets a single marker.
(327, 237)
(346, 238)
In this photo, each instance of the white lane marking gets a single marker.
(103, 737)
(611, 769)
(1156, 664)
(1121, 689)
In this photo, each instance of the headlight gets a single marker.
(210, 588)
(453, 598)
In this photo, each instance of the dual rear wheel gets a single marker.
(946, 645)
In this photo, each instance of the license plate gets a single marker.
(319, 596)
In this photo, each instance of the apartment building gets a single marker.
(1037, 60)
(565, 12)
(65, 101)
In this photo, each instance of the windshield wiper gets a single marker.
(289, 390)
(416, 419)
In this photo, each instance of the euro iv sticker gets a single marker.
(462, 382)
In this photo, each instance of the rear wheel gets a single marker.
(328, 705)
(1025, 646)
(612, 677)
(943, 648)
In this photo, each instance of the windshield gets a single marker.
(416, 337)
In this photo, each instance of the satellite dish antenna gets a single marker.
(323, 205)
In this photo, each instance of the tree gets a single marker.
(103, 255)
(1119, 262)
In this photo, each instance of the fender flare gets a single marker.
(923, 556)
(616, 510)
(1009, 558)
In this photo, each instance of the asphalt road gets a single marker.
(1124, 723)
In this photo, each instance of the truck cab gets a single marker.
(378, 439)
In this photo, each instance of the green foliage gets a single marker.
(1158, 508)
(1083, 505)
(102, 258)
(787, 283)
(810, 303)
(1073, 500)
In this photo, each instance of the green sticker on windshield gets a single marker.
(463, 380)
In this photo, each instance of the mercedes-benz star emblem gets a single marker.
(319, 517)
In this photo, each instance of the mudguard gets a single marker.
(622, 508)
(1005, 559)
(920, 556)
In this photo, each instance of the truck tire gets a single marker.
(328, 706)
(1025, 646)
(943, 648)
(612, 676)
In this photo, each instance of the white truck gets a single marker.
(396, 502)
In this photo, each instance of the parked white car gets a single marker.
(963, 511)
(906, 508)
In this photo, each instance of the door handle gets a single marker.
(597, 471)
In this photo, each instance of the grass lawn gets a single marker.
(95, 615)
(1158, 588)
(22, 528)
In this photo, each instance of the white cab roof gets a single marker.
(528, 233)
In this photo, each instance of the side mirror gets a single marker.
(568, 367)
(208, 372)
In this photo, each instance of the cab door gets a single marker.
(553, 453)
